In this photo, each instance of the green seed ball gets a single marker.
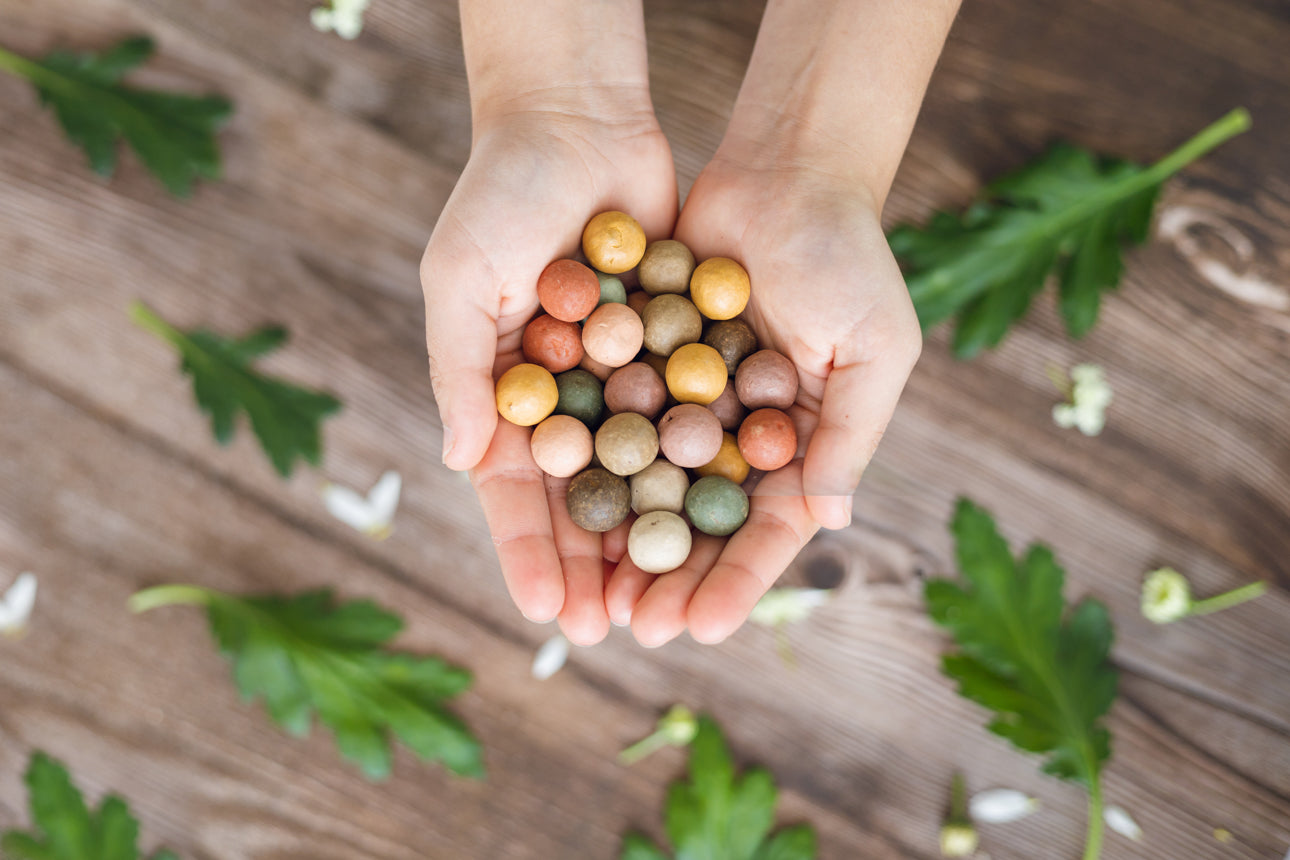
(611, 290)
(716, 506)
(581, 395)
(597, 500)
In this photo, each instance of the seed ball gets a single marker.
(696, 374)
(657, 362)
(636, 387)
(595, 368)
(626, 443)
(561, 446)
(670, 321)
(767, 439)
(766, 378)
(552, 343)
(689, 435)
(611, 290)
(659, 542)
(716, 506)
(613, 242)
(666, 267)
(568, 290)
(728, 463)
(613, 334)
(580, 396)
(660, 486)
(729, 411)
(526, 394)
(597, 500)
(733, 339)
(638, 300)
(720, 288)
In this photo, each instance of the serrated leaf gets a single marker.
(172, 133)
(1069, 213)
(284, 417)
(637, 847)
(1042, 670)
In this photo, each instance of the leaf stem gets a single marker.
(144, 317)
(17, 65)
(1093, 839)
(1228, 126)
(170, 595)
(1228, 598)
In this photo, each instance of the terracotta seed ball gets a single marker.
(626, 443)
(670, 321)
(611, 290)
(561, 446)
(526, 394)
(689, 435)
(729, 411)
(660, 486)
(638, 300)
(579, 396)
(716, 506)
(766, 378)
(696, 374)
(733, 339)
(720, 288)
(666, 267)
(636, 387)
(728, 463)
(552, 343)
(659, 542)
(568, 290)
(613, 242)
(767, 439)
(597, 500)
(613, 334)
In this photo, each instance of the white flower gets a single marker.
(1089, 397)
(1122, 822)
(550, 658)
(345, 17)
(372, 514)
(1001, 805)
(15, 606)
(1166, 596)
(678, 727)
(787, 605)
(958, 839)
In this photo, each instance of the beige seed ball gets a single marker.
(670, 321)
(666, 267)
(659, 542)
(626, 443)
(660, 486)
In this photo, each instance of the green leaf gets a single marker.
(65, 828)
(1069, 213)
(173, 134)
(1043, 670)
(304, 654)
(285, 418)
(718, 815)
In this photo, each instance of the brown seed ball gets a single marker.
(657, 362)
(613, 242)
(568, 290)
(626, 443)
(733, 339)
(660, 486)
(767, 439)
(595, 368)
(638, 300)
(666, 267)
(659, 542)
(526, 394)
(720, 288)
(552, 343)
(561, 446)
(670, 321)
(766, 378)
(597, 500)
(689, 435)
(637, 388)
(613, 334)
(729, 411)
(696, 374)
(729, 463)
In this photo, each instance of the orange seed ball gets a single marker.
(768, 439)
(568, 290)
(552, 343)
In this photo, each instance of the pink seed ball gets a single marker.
(595, 368)
(729, 411)
(568, 290)
(552, 343)
(562, 446)
(636, 387)
(689, 435)
(766, 378)
(613, 334)
(768, 439)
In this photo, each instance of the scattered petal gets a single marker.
(344, 17)
(372, 514)
(1001, 805)
(551, 657)
(958, 839)
(787, 605)
(1166, 596)
(1122, 822)
(16, 604)
(1089, 395)
(1222, 834)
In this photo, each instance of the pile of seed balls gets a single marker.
(633, 395)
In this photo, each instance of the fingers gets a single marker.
(660, 613)
(624, 589)
(583, 619)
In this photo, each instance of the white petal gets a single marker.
(787, 605)
(383, 499)
(349, 26)
(349, 507)
(550, 658)
(1001, 805)
(321, 19)
(1064, 415)
(1121, 822)
(15, 606)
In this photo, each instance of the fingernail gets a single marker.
(447, 443)
(846, 509)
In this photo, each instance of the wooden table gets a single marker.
(338, 161)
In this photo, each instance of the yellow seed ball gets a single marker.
(720, 288)
(729, 462)
(526, 394)
(696, 373)
(613, 242)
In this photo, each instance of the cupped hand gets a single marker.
(534, 178)
(827, 293)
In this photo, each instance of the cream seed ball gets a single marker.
(659, 542)
(720, 288)
(613, 242)
(561, 446)
(613, 334)
(526, 394)
(660, 486)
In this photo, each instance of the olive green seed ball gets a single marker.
(659, 542)
(580, 396)
(670, 321)
(660, 486)
(666, 267)
(716, 506)
(733, 339)
(626, 443)
(597, 500)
